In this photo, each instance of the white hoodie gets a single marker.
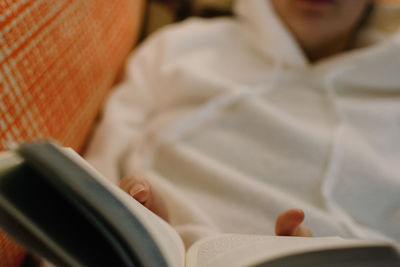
(232, 124)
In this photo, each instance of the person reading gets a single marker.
(290, 107)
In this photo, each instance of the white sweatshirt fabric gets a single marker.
(232, 125)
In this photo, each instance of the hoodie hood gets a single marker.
(267, 28)
(372, 66)
(273, 39)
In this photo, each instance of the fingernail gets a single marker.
(137, 188)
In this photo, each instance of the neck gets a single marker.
(321, 50)
(318, 50)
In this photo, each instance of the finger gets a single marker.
(126, 182)
(139, 189)
(142, 192)
(288, 222)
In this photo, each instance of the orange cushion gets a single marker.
(58, 59)
(11, 254)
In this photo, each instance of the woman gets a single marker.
(291, 103)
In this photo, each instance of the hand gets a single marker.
(143, 192)
(289, 224)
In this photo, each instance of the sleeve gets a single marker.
(129, 106)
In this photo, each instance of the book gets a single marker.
(59, 207)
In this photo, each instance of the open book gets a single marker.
(59, 207)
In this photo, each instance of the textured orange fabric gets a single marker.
(11, 254)
(58, 59)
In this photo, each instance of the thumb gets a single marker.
(289, 224)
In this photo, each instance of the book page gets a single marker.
(165, 236)
(245, 250)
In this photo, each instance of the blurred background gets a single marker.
(162, 12)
